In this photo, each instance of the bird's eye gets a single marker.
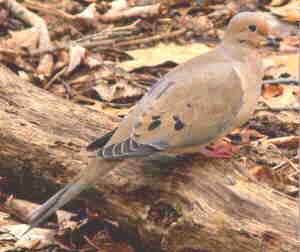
(252, 27)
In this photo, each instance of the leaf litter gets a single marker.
(106, 55)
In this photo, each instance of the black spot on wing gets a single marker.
(154, 124)
(99, 143)
(155, 117)
(179, 125)
(127, 148)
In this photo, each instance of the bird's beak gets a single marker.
(270, 41)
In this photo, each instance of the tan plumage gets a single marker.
(196, 103)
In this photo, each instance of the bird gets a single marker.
(194, 104)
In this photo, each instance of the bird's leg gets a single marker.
(217, 152)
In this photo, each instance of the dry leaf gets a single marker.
(275, 65)
(223, 146)
(45, 67)
(161, 53)
(278, 2)
(279, 28)
(38, 238)
(289, 12)
(77, 54)
(291, 62)
(88, 13)
(284, 100)
(285, 142)
(93, 60)
(248, 135)
(118, 91)
(117, 112)
(27, 38)
(270, 91)
(64, 59)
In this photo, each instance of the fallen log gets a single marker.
(186, 204)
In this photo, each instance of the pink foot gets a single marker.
(218, 152)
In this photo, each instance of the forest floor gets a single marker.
(106, 55)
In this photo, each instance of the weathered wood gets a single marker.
(179, 205)
(42, 134)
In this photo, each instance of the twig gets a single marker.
(284, 163)
(9, 51)
(292, 177)
(136, 84)
(282, 81)
(55, 77)
(48, 10)
(283, 140)
(92, 40)
(122, 12)
(68, 90)
(105, 35)
(294, 166)
(278, 109)
(91, 243)
(120, 31)
(89, 44)
(153, 38)
(40, 26)
(109, 42)
(79, 97)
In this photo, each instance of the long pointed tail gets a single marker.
(97, 168)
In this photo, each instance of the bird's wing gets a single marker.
(183, 111)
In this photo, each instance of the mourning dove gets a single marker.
(193, 105)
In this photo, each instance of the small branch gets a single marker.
(109, 42)
(32, 19)
(278, 109)
(9, 51)
(55, 77)
(120, 31)
(103, 38)
(283, 164)
(282, 81)
(122, 12)
(44, 8)
(89, 44)
(153, 38)
(283, 140)
(44, 38)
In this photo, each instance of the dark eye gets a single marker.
(252, 27)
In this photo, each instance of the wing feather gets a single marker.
(181, 111)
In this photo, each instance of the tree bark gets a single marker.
(185, 204)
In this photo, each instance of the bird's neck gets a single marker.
(238, 51)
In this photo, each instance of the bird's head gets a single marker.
(251, 29)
